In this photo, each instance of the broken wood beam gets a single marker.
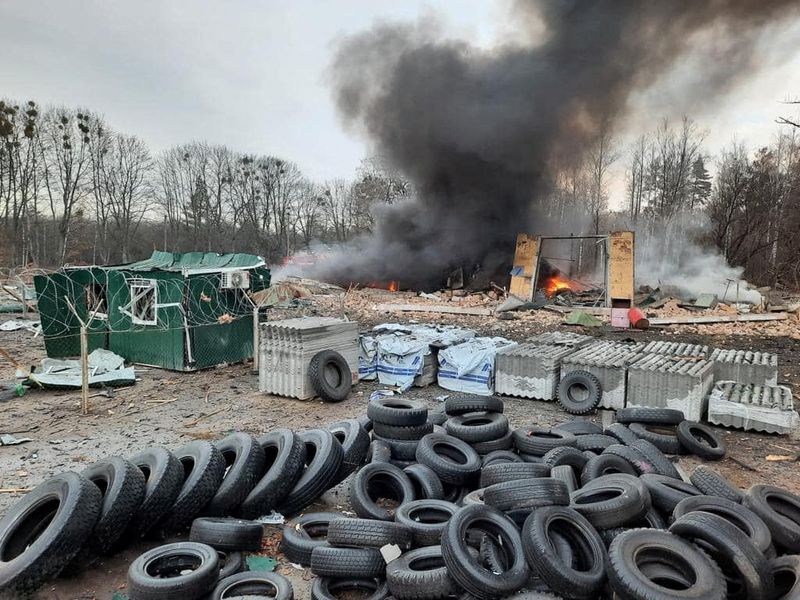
(436, 308)
(748, 318)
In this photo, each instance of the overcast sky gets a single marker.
(252, 73)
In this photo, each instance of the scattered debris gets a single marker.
(436, 308)
(6, 439)
(579, 317)
(105, 369)
(720, 319)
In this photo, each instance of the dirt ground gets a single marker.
(171, 409)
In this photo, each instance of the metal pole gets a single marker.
(256, 340)
(85, 369)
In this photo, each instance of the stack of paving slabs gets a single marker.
(288, 346)
(609, 362)
(753, 407)
(745, 366)
(530, 370)
(676, 349)
(666, 381)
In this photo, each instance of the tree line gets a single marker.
(74, 190)
(748, 211)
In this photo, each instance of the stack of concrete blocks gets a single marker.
(669, 381)
(288, 346)
(745, 366)
(768, 408)
(676, 349)
(609, 362)
(532, 369)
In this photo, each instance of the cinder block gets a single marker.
(667, 381)
(744, 366)
(287, 347)
(609, 362)
(676, 349)
(753, 407)
(530, 370)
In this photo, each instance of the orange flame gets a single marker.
(391, 286)
(555, 284)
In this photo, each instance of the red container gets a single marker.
(637, 319)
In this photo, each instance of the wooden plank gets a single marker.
(526, 256)
(436, 308)
(620, 268)
(720, 319)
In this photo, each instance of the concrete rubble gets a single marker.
(745, 366)
(287, 347)
(609, 362)
(752, 407)
(666, 381)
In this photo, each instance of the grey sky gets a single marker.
(251, 74)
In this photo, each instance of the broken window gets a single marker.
(144, 298)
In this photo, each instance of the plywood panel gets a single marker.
(621, 268)
(523, 275)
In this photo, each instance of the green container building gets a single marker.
(177, 311)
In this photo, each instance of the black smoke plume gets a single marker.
(478, 132)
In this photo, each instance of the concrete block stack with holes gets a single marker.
(667, 381)
(288, 346)
(609, 362)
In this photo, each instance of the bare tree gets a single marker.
(19, 175)
(602, 155)
(64, 147)
(122, 171)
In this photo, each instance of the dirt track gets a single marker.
(170, 409)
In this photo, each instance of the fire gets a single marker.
(555, 284)
(391, 286)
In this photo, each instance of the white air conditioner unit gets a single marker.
(235, 280)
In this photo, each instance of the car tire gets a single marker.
(227, 534)
(426, 483)
(204, 468)
(285, 456)
(712, 483)
(477, 427)
(254, 584)
(185, 570)
(320, 474)
(622, 433)
(588, 551)
(367, 533)
(420, 574)
(605, 464)
(397, 411)
(655, 416)
(539, 440)
(330, 588)
(426, 519)
(392, 483)
(662, 437)
(579, 392)
(579, 427)
(122, 485)
(611, 501)
(330, 376)
(700, 440)
(303, 534)
(355, 443)
(667, 492)
(44, 530)
(163, 475)
(688, 568)
(459, 405)
(780, 511)
(245, 462)
(453, 460)
(503, 472)
(466, 569)
(328, 561)
(526, 494)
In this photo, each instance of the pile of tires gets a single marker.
(212, 566)
(71, 520)
(573, 511)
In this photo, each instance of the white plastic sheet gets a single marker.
(469, 367)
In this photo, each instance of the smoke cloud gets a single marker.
(479, 131)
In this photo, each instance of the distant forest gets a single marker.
(74, 190)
